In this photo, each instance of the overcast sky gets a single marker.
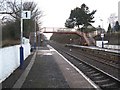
(57, 11)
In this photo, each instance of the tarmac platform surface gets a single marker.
(46, 68)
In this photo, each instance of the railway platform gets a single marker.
(96, 48)
(46, 68)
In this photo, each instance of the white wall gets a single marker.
(10, 59)
(112, 46)
(99, 43)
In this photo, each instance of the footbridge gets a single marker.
(88, 39)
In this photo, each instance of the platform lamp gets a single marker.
(102, 34)
(21, 47)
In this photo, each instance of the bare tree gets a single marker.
(14, 7)
(2, 5)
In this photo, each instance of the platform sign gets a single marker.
(102, 35)
(26, 14)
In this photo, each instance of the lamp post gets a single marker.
(35, 35)
(102, 34)
(0, 33)
(21, 47)
(70, 43)
(39, 33)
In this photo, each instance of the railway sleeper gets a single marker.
(80, 63)
(109, 85)
(90, 72)
(99, 77)
(95, 74)
(85, 67)
(102, 81)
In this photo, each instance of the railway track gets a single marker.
(98, 76)
(101, 78)
(108, 61)
(108, 58)
(107, 65)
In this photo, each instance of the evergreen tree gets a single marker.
(82, 15)
(109, 29)
(117, 26)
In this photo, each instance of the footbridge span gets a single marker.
(88, 39)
